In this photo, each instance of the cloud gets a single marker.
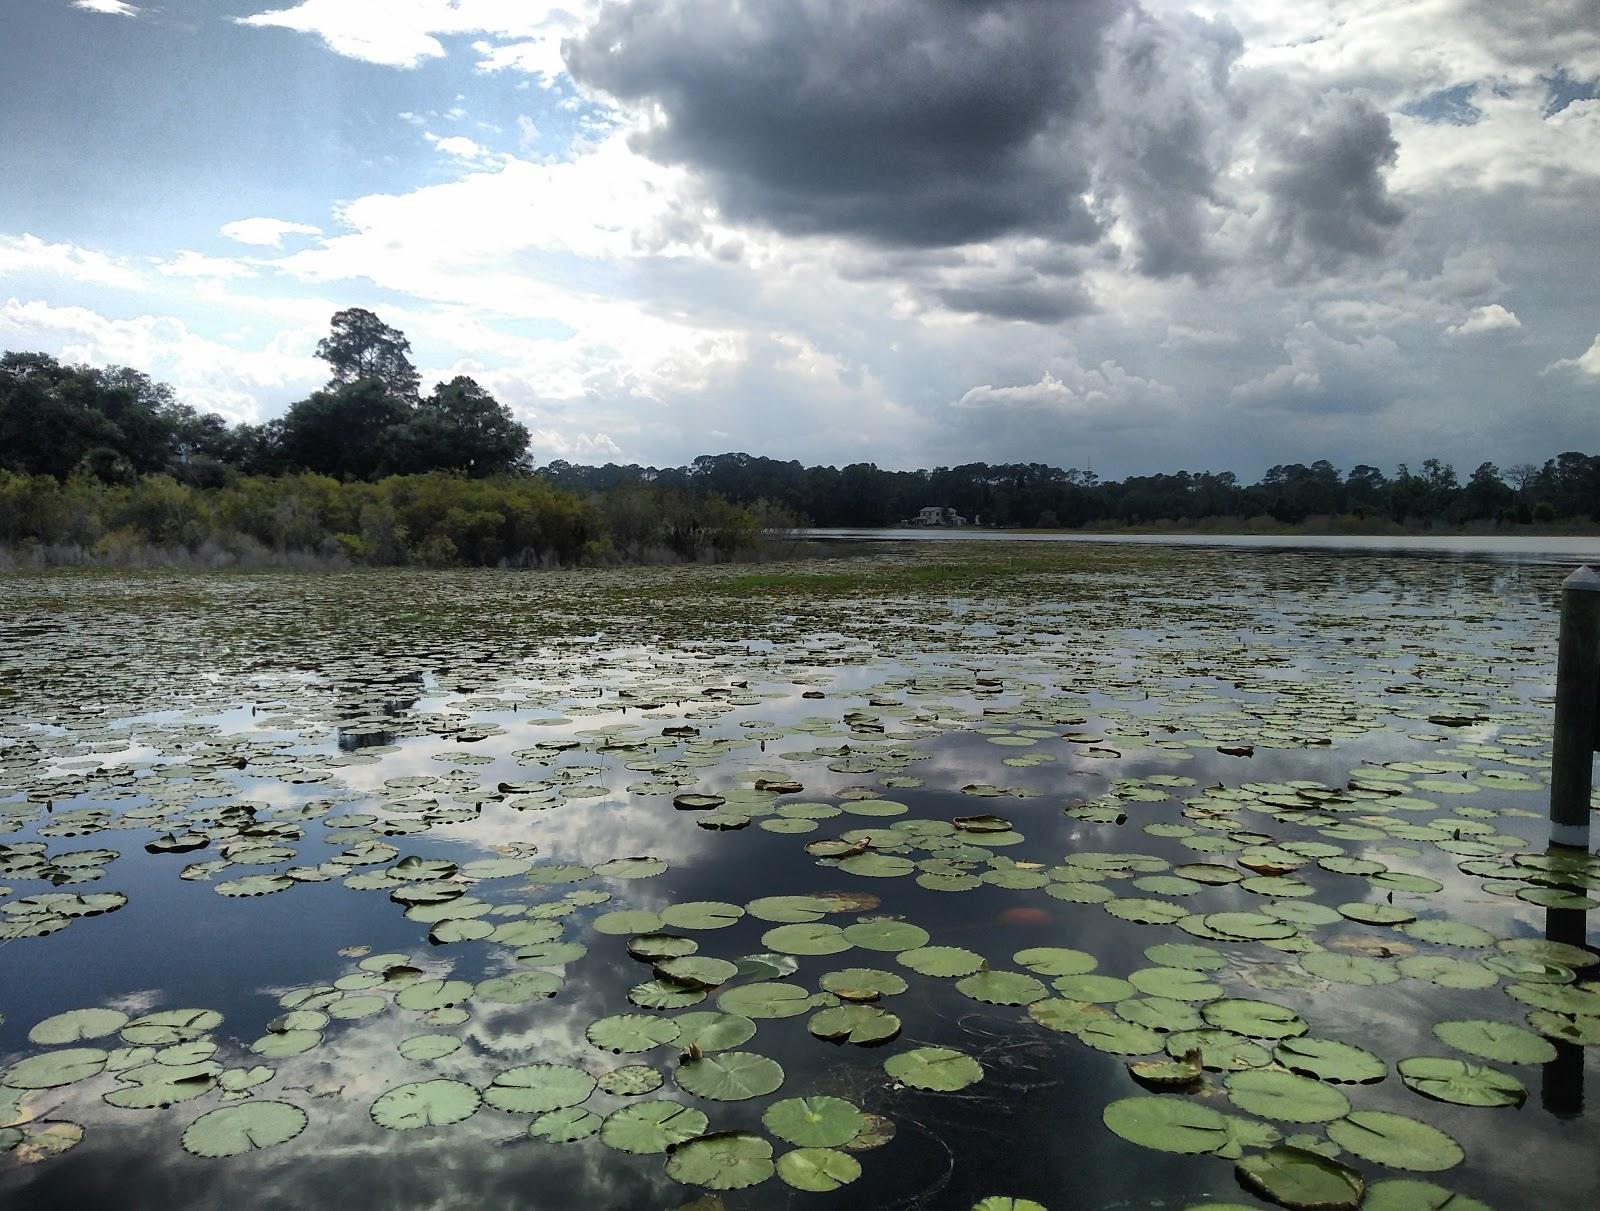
(265, 233)
(1325, 180)
(901, 123)
(459, 147)
(1585, 365)
(209, 374)
(407, 33)
(29, 254)
(1326, 375)
(1492, 318)
(111, 8)
(1101, 392)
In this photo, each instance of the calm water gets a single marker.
(337, 725)
(1575, 549)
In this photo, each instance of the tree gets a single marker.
(361, 346)
(460, 427)
(346, 432)
(1486, 495)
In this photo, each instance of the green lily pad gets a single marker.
(631, 1032)
(701, 914)
(168, 1026)
(862, 983)
(423, 1047)
(1055, 961)
(1498, 1041)
(814, 1122)
(536, 1088)
(1330, 1060)
(861, 1024)
(1408, 1194)
(426, 995)
(565, 1126)
(729, 1076)
(765, 999)
(935, 1068)
(650, 1127)
(886, 935)
(947, 961)
(1463, 1084)
(713, 1031)
(818, 1169)
(697, 971)
(1396, 1141)
(435, 1103)
(1002, 988)
(1285, 1096)
(1301, 1180)
(77, 1025)
(1168, 1124)
(1119, 1037)
(1254, 1019)
(55, 1068)
(252, 1126)
(724, 1160)
(811, 938)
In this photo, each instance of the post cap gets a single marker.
(1585, 579)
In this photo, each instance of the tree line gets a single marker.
(371, 420)
(371, 469)
(1036, 495)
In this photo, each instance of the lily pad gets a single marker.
(654, 1126)
(435, 1103)
(729, 1076)
(818, 1169)
(1301, 1180)
(1396, 1141)
(631, 1032)
(1463, 1084)
(724, 1160)
(1330, 1060)
(941, 1069)
(1168, 1124)
(252, 1126)
(1285, 1096)
(1498, 1041)
(536, 1088)
(814, 1122)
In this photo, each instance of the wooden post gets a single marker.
(1577, 726)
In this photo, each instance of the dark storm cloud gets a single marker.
(1164, 133)
(1021, 299)
(912, 123)
(1327, 186)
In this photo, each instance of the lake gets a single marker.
(1103, 875)
(1568, 549)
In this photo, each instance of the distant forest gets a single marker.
(97, 462)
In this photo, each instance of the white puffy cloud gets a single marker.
(1106, 393)
(264, 232)
(1490, 318)
(210, 374)
(1586, 364)
(406, 33)
(31, 255)
(110, 8)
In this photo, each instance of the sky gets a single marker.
(1136, 237)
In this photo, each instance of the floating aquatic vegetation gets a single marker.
(1398, 772)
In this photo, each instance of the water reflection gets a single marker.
(1317, 691)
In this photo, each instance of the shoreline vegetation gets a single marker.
(106, 466)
